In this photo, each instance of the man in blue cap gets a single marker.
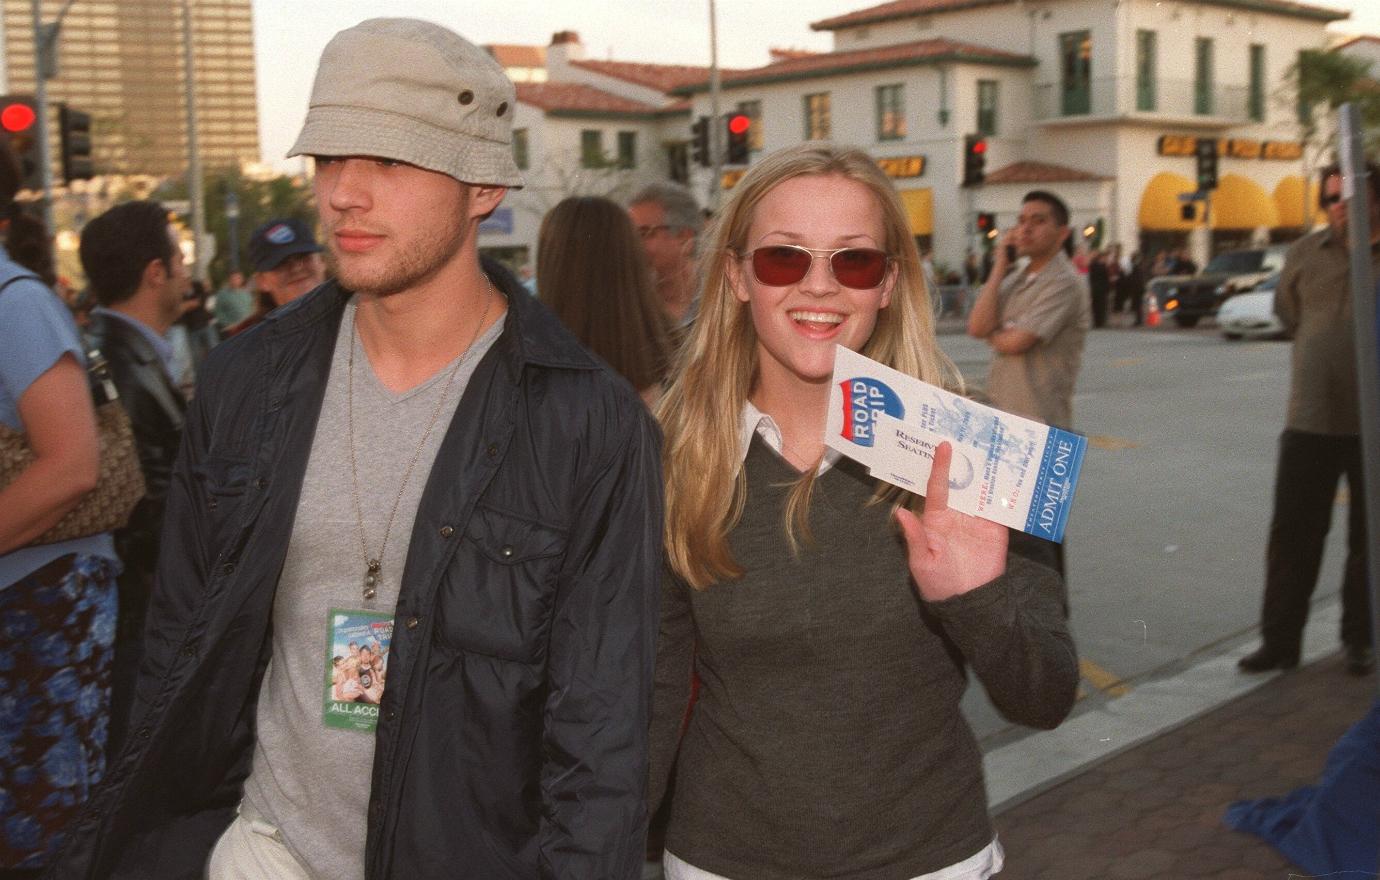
(287, 263)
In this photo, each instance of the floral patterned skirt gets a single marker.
(57, 629)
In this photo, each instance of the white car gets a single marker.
(1252, 313)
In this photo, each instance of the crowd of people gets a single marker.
(577, 558)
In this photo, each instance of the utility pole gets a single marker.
(195, 196)
(716, 128)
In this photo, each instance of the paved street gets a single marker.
(1166, 539)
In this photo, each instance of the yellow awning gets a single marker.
(1160, 208)
(1241, 203)
(1289, 202)
(919, 205)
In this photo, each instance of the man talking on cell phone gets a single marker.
(1035, 315)
(411, 485)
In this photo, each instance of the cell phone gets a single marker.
(1010, 253)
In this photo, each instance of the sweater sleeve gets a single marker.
(1013, 634)
(675, 670)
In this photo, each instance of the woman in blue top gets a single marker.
(57, 601)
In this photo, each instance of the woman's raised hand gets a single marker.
(950, 553)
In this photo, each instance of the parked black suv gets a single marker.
(1188, 298)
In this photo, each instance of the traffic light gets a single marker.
(700, 142)
(987, 224)
(974, 158)
(76, 144)
(1206, 151)
(738, 126)
(19, 119)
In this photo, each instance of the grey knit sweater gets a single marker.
(827, 739)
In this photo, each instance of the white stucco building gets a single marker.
(1100, 101)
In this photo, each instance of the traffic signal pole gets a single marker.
(1356, 190)
(45, 159)
(716, 128)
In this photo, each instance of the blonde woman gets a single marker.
(830, 627)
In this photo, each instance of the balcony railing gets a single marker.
(1115, 97)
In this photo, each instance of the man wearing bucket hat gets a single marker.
(287, 264)
(418, 459)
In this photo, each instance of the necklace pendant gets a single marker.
(371, 579)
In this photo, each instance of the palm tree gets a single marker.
(1329, 79)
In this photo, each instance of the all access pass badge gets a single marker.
(356, 668)
(1006, 468)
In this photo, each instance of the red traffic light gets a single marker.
(739, 124)
(979, 147)
(17, 117)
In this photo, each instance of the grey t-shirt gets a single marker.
(318, 702)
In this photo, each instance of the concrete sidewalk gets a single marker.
(1154, 810)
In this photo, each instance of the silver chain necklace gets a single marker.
(373, 565)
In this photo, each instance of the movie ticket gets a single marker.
(1006, 468)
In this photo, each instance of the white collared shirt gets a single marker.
(757, 422)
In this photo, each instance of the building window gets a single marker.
(591, 148)
(753, 110)
(1202, 77)
(1075, 57)
(1146, 52)
(891, 113)
(817, 117)
(1256, 98)
(520, 154)
(627, 149)
(987, 107)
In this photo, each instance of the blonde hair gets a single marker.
(702, 410)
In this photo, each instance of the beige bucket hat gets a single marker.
(416, 92)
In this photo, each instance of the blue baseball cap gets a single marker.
(279, 239)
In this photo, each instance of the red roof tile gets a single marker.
(508, 55)
(831, 63)
(662, 77)
(896, 9)
(1359, 38)
(780, 54)
(908, 8)
(1039, 172)
(579, 98)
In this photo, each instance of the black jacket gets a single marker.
(508, 745)
(156, 410)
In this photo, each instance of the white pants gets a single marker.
(252, 849)
(979, 866)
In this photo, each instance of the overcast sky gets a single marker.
(290, 34)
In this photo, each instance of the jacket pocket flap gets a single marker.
(509, 539)
(224, 476)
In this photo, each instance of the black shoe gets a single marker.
(1265, 659)
(1360, 660)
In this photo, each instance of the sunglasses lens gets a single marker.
(780, 266)
(859, 268)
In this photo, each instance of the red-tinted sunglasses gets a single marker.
(780, 265)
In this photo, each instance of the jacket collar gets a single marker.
(531, 333)
(136, 336)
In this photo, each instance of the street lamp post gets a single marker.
(232, 217)
(195, 194)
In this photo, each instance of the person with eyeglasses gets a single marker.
(1321, 441)
(668, 219)
(831, 619)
